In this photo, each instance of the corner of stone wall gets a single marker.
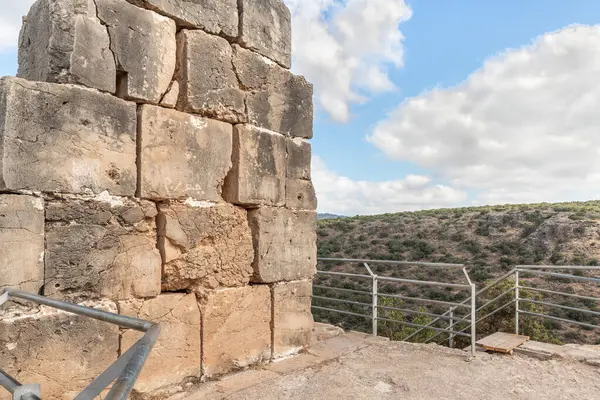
(160, 168)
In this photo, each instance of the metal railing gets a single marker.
(123, 372)
(511, 291)
(376, 295)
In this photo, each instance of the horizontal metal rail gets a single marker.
(344, 274)
(341, 311)
(433, 328)
(447, 318)
(358, 303)
(568, 321)
(563, 267)
(122, 374)
(425, 283)
(419, 299)
(392, 262)
(544, 303)
(564, 276)
(342, 289)
(577, 296)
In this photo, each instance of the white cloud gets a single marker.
(523, 128)
(10, 21)
(341, 195)
(345, 48)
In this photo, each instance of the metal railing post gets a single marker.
(517, 302)
(451, 328)
(473, 319)
(375, 305)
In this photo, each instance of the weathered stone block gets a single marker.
(292, 317)
(169, 100)
(215, 16)
(182, 155)
(62, 41)
(62, 138)
(236, 328)
(208, 83)
(204, 246)
(277, 99)
(176, 354)
(103, 247)
(298, 159)
(285, 244)
(21, 242)
(63, 352)
(266, 27)
(300, 195)
(258, 173)
(143, 43)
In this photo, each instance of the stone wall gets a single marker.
(154, 162)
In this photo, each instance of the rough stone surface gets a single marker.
(258, 173)
(63, 41)
(62, 138)
(236, 328)
(143, 43)
(105, 247)
(63, 352)
(292, 317)
(204, 246)
(21, 242)
(209, 85)
(285, 244)
(215, 16)
(169, 100)
(182, 155)
(277, 99)
(176, 354)
(298, 159)
(266, 27)
(300, 195)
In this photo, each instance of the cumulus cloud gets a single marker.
(523, 128)
(341, 195)
(10, 21)
(345, 48)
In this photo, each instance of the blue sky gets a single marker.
(471, 102)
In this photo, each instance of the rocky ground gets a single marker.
(356, 366)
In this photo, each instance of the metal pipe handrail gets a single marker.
(441, 302)
(544, 303)
(565, 276)
(577, 296)
(342, 301)
(341, 311)
(344, 274)
(425, 283)
(563, 267)
(124, 372)
(342, 289)
(569, 321)
(433, 328)
(393, 262)
(419, 313)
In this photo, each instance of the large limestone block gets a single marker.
(182, 155)
(102, 247)
(292, 317)
(21, 242)
(298, 159)
(144, 46)
(176, 354)
(277, 99)
(62, 352)
(215, 16)
(285, 244)
(258, 173)
(236, 328)
(63, 138)
(208, 83)
(62, 41)
(300, 195)
(266, 27)
(204, 246)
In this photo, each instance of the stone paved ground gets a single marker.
(356, 366)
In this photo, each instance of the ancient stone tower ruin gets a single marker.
(154, 162)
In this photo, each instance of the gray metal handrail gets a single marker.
(123, 372)
(448, 316)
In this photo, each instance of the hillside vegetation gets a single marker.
(489, 240)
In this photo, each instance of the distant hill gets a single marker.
(487, 238)
(329, 216)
